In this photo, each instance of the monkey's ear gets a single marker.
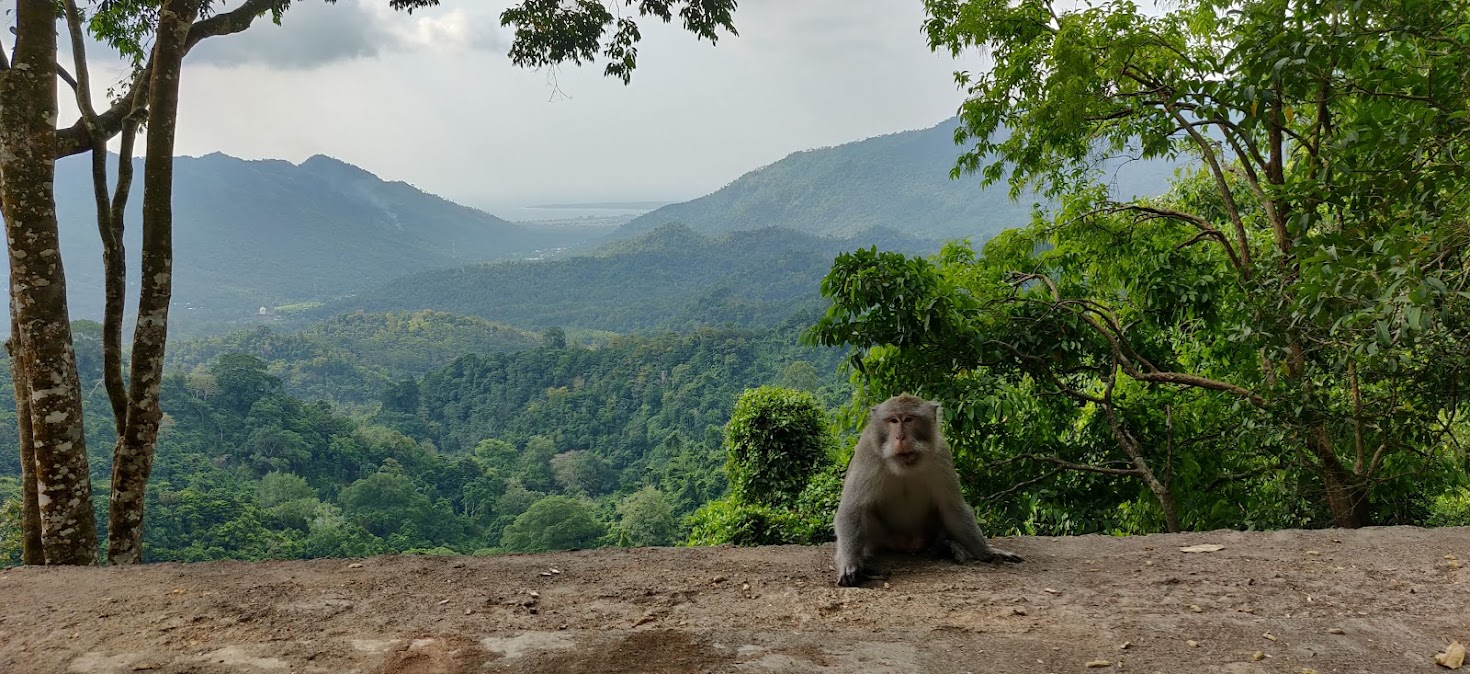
(934, 407)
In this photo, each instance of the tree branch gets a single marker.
(76, 138)
(1082, 467)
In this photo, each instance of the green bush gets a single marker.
(784, 483)
(777, 438)
(1450, 510)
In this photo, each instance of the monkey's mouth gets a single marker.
(906, 459)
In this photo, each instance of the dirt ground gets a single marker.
(1382, 600)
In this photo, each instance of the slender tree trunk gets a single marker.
(109, 218)
(38, 287)
(133, 456)
(115, 273)
(30, 519)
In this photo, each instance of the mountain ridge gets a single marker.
(898, 180)
(266, 232)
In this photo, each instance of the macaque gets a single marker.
(902, 494)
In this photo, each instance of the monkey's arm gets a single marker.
(852, 543)
(966, 539)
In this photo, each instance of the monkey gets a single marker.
(902, 494)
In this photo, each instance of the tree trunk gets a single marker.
(133, 457)
(30, 519)
(38, 287)
(109, 218)
(115, 274)
(1347, 493)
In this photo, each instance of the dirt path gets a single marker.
(1379, 601)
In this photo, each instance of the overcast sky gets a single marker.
(431, 98)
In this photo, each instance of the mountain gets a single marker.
(669, 278)
(251, 234)
(898, 181)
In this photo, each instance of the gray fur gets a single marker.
(898, 504)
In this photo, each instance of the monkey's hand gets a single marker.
(999, 555)
(849, 575)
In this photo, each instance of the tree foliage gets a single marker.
(553, 523)
(1276, 341)
(784, 481)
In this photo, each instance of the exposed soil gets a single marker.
(1381, 601)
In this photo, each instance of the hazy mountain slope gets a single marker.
(262, 233)
(899, 181)
(671, 277)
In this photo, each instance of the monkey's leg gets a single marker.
(965, 538)
(854, 544)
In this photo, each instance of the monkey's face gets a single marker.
(908, 435)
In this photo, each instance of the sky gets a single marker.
(431, 98)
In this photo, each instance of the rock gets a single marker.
(1204, 547)
(1258, 656)
(355, 565)
(1098, 663)
(1335, 630)
(1453, 656)
(1192, 643)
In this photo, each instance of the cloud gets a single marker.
(455, 30)
(314, 34)
(440, 105)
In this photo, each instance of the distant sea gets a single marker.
(540, 212)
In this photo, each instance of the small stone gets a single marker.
(1196, 608)
(469, 611)
(556, 571)
(1335, 630)
(745, 586)
(443, 602)
(1314, 552)
(1192, 643)
(355, 565)
(1258, 656)
(886, 586)
(1018, 611)
(534, 594)
(1098, 663)
(1270, 636)
(1051, 591)
(718, 579)
(546, 574)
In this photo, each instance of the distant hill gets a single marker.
(249, 234)
(351, 358)
(671, 277)
(899, 181)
